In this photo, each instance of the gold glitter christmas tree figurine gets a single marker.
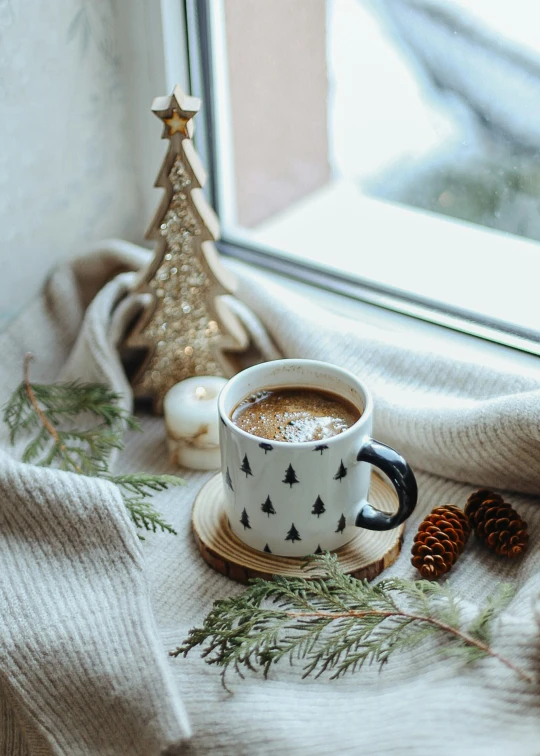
(187, 329)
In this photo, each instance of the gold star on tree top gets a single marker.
(176, 111)
(177, 124)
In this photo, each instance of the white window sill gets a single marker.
(445, 260)
(440, 340)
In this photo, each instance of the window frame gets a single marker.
(201, 66)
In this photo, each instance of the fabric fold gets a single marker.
(87, 615)
(473, 417)
(80, 655)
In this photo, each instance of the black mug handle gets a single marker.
(402, 477)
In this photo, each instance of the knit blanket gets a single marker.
(88, 613)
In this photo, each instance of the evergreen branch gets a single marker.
(33, 404)
(145, 516)
(46, 408)
(336, 623)
(135, 488)
(18, 413)
(31, 394)
(143, 484)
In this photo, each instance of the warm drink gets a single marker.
(294, 414)
(296, 457)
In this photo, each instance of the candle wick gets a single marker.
(200, 392)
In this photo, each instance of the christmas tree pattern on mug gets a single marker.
(245, 466)
(290, 476)
(341, 525)
(341, 473)
(267, 549)
(268, 507)
(244, 519)
(320, 448)
(266, 447)
(228, 480)
(293, 535)
(318, 507)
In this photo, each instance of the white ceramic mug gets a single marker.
(299, 498)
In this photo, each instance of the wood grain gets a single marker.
(364, 557)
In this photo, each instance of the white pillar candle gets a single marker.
(192, 422)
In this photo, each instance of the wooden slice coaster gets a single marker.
(365, 557)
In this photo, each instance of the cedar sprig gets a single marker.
(136, 488)
(336, 623)
(61, 401)
(49, 411)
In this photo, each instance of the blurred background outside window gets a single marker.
(347, 130)
(395, 142)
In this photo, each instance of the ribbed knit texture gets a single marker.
(470, 415)
(82, 670)
(78, 651)
(452, 415)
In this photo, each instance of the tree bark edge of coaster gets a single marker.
(365, 556)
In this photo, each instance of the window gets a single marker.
(385, 150)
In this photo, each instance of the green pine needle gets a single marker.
(335, 623)
(145, 516)
(136, 488)
(49, 411)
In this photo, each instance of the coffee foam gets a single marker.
(294, 414)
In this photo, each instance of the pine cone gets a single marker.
(441, 538)
(496, 523)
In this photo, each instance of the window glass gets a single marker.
(352, 133)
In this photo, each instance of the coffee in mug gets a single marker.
(295, 490)
(294, 413)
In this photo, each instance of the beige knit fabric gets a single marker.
(73, 682)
